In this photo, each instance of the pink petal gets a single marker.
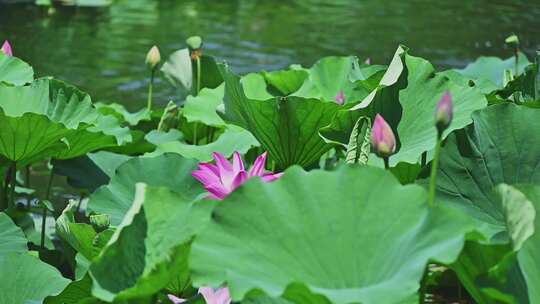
(205, 177)
(340, 98)
(209, 167)
(208, 294)
(218, 191)
(6, 48)
(238, 164)
(269, 177)
(175, 299)
(239, 180)
(223, 296)
(226, 171)
(258, 166)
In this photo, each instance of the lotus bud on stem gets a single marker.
(383, 140)
(6, 48)
(513, 41)
(443, 118)
(195, 52)
(152, 60)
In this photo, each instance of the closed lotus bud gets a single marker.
(194, 42)
(6, 48)
(340, 98)
(444, 112)
(100, 222)
(153, 57)
(383, 140)
(512, 40)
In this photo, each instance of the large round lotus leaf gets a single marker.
(528, 256)
(354, 235)
(15, 71)
(286, 127)
(12, 238)
(25, 279)
(492, 68)
(168, 170)
(151, 245)
(497, 148)
(233, 139)
(52, 119)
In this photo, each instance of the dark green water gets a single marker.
(102, 50)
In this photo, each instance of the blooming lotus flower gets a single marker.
(340, 98)
(6, 48)
(217, 296)
(222, 178)
(153, 57)
(211, 296)
(444, 112)
(382, 137)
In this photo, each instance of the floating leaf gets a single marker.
(371, 247)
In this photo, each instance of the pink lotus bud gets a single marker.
(340, 98)
(382, 137)
(6, 48)
(368, 61)
(444, 112)
(153, 57)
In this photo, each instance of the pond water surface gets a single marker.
(102, 50)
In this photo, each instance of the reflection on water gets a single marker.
(102, 50)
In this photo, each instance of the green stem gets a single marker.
(273, 166)
(516, 54)
(434, 168)
(424, 159)
(198, 60)
(27, 175)
(386, 163)
(5, 191)
(13, 185)
(150, 87)
(44, 214)
(195, 126)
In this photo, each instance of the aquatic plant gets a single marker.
(396, 184)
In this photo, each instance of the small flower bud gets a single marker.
(512, 40)
(340, 98)
(368, 61)
(444, 112)
(153, 57)
(6, 48)
(383, 140)
(194, 42)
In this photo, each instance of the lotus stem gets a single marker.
(27, 175)
(150, 87)
(434, 168)
(386, 163)
(44, 214)
(13, 180)
(195, 126)
(516, 62)
(198, 61)
(5, 191)
(424, 159)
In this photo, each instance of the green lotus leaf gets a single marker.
(25, 279)
(492, 68)
(12, 238)
(151, 245)
(202, 108)
(530, 251)
(52, 119)
(91, 170)
(285, 82)
(328, 77)
(526, 86)
(75, 293)
(122, 114)
(287, 127)
(233, 139)
(354, 235)
(169, 170)
(15, 71)
(497, 148)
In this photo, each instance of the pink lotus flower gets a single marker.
(6, 48)
(340, 98)
(382, 137)
(223, 178)
(444, 112)
(211, 296)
